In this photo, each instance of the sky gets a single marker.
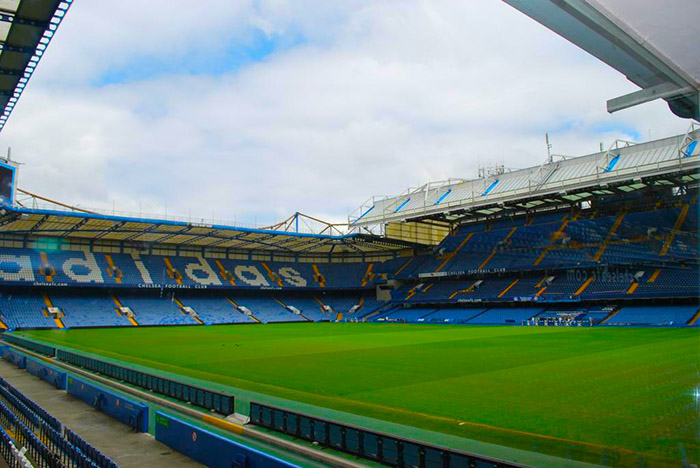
(247, 111)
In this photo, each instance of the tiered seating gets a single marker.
(564, 285)
(527, 286)
(407, 315)
(340, 302)
(309, 307)
(491, 287)
(215, 309)
(154, 310)
(654, 315)
(266, 309)
(126, 266)
(369, 304)
(26, 266)
(504, 316)
(671, 281)
(590, 256)
(612, 284)
(88, 309)
(582, 240)
(452, 315)
(75, 267)
(344, 275)
(24, 310)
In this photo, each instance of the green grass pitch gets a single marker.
(599, 390)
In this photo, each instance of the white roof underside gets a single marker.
(653, 43)
(661, 157)
(670, 27)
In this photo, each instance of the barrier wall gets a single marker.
(219, 402)
(49, 351)
(126, 410)
(46, 373)
(13, 357)
(210, 449)
(382, 448)
(207, 399)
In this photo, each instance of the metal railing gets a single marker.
(538, 189)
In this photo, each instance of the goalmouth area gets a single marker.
(571, 392)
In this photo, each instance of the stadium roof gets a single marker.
(91, 227)
(26, 29)
(624, 167)
(654, 44)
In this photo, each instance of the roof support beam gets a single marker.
(614, 40)
(661, 91)
(75, 227)
(38, 224)
(116, 227)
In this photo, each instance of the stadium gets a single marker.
(541, 317)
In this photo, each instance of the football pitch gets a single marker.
(580, 393)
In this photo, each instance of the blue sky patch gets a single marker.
(237, 53)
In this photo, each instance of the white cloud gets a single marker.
(377, 96)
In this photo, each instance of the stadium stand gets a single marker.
(215, 309)
(340, 304)
(266, 309)
(88, 309)
(26, 266)
(636, 243)
(310, 307)
(571, 243)
(24, 309)
(504, 316)
(667, 316)
(459, 315)
(152, 309)
(407, 315)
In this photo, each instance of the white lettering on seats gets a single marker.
(250, 275)
(145, 275)
(207, 275)
(16, 268)
(91, 271)
(292, 276)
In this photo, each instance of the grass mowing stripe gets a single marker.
(506, 382)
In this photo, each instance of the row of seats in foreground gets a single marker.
(28, 431)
